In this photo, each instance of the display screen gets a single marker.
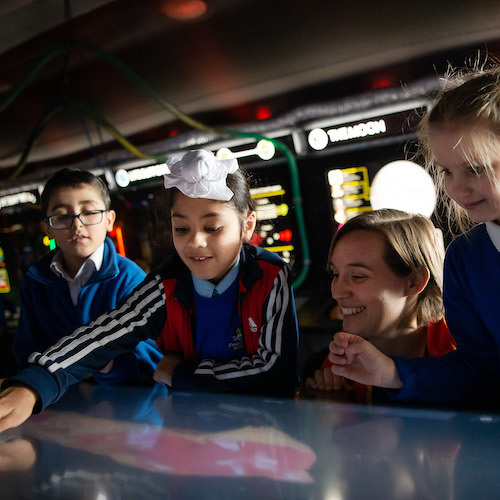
(276, 219)
(350, 192)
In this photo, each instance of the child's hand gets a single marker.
(357, 359)
(16, 455)
(166, 367)
(325, 380)
(107, 368)
(16, 405)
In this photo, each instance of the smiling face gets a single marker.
(78, 242)
(465, 182)
(208, 235)
(375, 302)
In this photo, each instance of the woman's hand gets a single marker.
(166, 367)
(357, 359)
(16, 406)
(325, 380)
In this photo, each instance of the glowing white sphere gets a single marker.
(403, 185)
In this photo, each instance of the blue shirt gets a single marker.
(219, 335)
(207, 289)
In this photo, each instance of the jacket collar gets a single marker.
(249, 273)
(41, 270)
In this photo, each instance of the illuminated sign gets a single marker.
(12, 200)
(125, 177)
(322, 136)
(318, 138)
(272, 213)
(267, 191)
(350, 191)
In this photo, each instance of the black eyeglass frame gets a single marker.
(71, 218)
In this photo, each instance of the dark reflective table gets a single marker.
(105, 443)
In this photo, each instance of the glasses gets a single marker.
(87, 218)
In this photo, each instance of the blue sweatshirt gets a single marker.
(472, 308)
(48, 313)
(163, 308)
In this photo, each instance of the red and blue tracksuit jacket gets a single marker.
(162, 308)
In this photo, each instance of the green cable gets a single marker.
(297, 198)
(11, 96)
(143, 85)
(23, 160)
(89, 112)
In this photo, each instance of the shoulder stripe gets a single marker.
(101, 320)
(136, 311)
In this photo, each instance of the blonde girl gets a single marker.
(460, 137)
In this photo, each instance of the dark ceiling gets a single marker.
(217, 67)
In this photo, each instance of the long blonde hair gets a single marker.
(469, 99)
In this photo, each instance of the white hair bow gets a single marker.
(200, 174)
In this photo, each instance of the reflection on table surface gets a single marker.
(134, 442)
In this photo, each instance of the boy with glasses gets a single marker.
(82, 278)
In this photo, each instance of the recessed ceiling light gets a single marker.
(184, 10)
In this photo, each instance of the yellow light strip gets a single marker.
(270, 193)
(284, 248)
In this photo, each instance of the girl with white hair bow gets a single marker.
(221, 309)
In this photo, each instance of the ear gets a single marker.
(47, 229)
(249, 225)
(110, 219)
(418, 281)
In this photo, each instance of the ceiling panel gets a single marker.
(240, 51)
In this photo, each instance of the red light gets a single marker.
(382, 82)
(184, 10)
(256, 239)
(117, 233)
(263, 113)
(173, 133)
(120, 242)
(285, 235)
